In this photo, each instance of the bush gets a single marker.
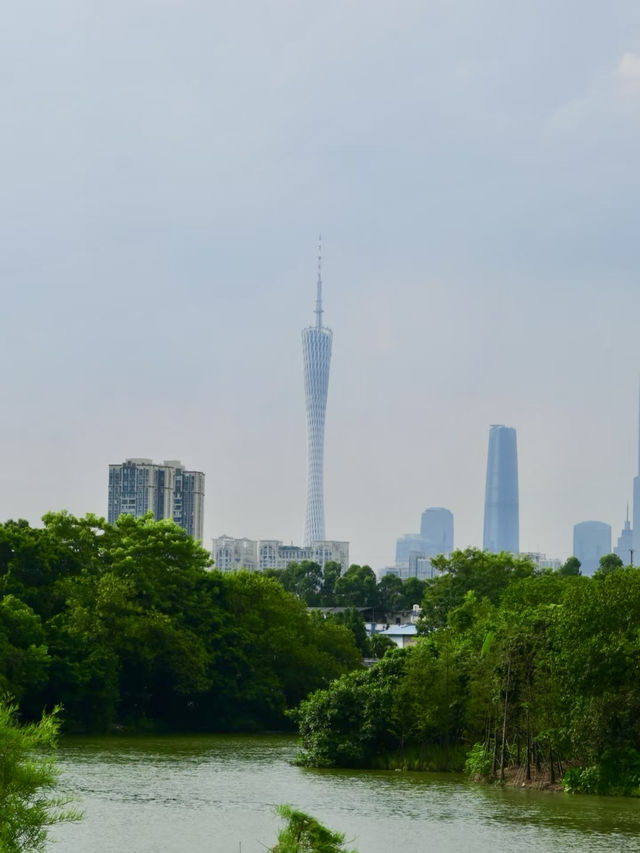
(616, 773)
(304, 834)
(479, 762)
(28, 804)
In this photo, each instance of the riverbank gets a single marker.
(540, 780)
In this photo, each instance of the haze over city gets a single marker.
(473, 169)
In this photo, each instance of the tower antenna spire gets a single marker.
(319, 286)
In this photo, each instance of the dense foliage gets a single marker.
(28, 779)
(125, 625)
(357, 587)
(302, 833)
(526, 672)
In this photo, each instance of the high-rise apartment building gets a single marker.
(137, 486)
(591, 540)
(316, 348)
(501, 523)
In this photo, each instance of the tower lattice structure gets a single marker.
(316, 349)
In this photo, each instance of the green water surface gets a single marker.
(216, 794)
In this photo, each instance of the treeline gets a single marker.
(524, 674)
(127, 626)
(357, 587)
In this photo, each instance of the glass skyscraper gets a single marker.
(501, 519)
(316, 348)
(635, 536)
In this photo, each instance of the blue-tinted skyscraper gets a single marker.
(436, 529)
(624, 548)
(501, 495)
(591, 540)
(636, 508)
(316, 348)
(435, 537)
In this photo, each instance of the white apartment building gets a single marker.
(259, 554)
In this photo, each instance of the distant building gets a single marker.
(230, 554)
(501, 522)
(591, 540)
(435, 537)
(407, 546)
(636, 504)
(422, 569)
(418, 567)
(541, 561)
(138, 486)
(436, 530)
(624, 549)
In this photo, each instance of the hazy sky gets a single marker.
(166, 167)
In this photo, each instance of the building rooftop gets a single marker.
(400, 630)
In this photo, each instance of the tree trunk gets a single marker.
(504, 721)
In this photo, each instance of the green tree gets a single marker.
(609, 563)
(350, 722)
(357, 587)
(124, 625)
(380, 644)
(352, 619)
(28, 781)
(488, 575)
(596, 638)
(391, 594)
(304, 579)
(304, 834)
(330, 575)
(571, 566)
(413, 590)
(24, 662)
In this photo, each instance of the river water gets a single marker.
(216, 794)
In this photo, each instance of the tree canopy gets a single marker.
(126, 625)
(528, 673)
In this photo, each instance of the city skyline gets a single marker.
(166, 177)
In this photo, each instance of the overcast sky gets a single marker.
(166, 167)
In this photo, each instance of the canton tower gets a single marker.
(316, 348)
